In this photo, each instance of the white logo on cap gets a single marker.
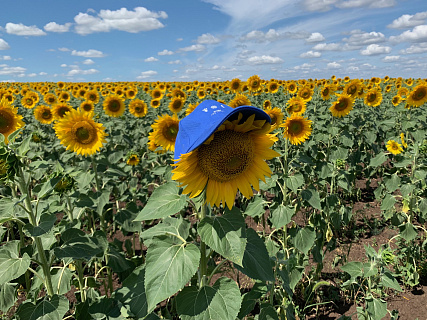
(214, 107)
(205, 110)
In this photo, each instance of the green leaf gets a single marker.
(388, 202)
(7, 296)
(12, 266)
(304, 239)
(294, 182)
(256, 262)
(408, 231)
(47, 221)
(225, 234)
(47, 187)
(376, 308)
(281, 216)
(389, 281)
(354, 269)
(53, 309)
(267, 312)
(378, 160)
(170, 225)
(251, 298)
(311, 195)
(256, 207)
(164, 201)
(78, 245)
(117, 260)
(132, 293)
(169, 266)
(270, 182)
(105, 308)
(24, 146)
(392, 183)
(221, 301)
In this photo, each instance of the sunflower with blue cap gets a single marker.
(221, 150)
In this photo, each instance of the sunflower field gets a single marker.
(101, 219)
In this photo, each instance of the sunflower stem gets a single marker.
(203, 269)
(95, 169)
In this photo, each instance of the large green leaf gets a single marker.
(267, 312)
(169, 266)
(170, 225)
(61, 280)
(164, 201)
(389, 281)
(53, 309)
(256, 262)
(304, 239)
(408, 231)
(354, 269)
(221, 301)
(378, 160)
(132, 293)
(251, 298)
(388, 202)
(12, 266)
(7, 296)
(47, 187)
(225, 234)
(294, 182)
(256, 207)
(376, 308)
(311, 195)
(46, 223)
(281, 216)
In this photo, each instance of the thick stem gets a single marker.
(95, 169)
(203, 269)
(80, 275)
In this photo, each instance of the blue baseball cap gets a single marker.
(205, 119)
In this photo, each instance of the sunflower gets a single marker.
(235, 85)
(132, 159)
(342, 106)
(10, 120)
(276, 116)
(240, 100)
(418, 96)
(64, 96)
(92, 96)
(273, 86)
(201, 94)
(131, 93)
(305, 92)
(114, 105)
(254, 83)
(402, 92)
(43, 114)
(296, 128)
(296, 105)
(156, 94)
(28, 102)
(155, 103)
(60, 109)
(190, 109)
(165, 129)
(232, 159)
(402, 138)
(394, 147)
(176, 104)
(50, 98)
(292, 86)
(373, 97)
(80, 133)
(352, 88)
(177, 92)
(138, 108)
(327, 91)
(87, 106)
(396, 100)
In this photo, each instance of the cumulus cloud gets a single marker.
(140, 19)
(165, 53)
(88, 61)
(391, 58)
(417, 34)
(409, 21)
(147, 74)
(264, 59)
(375, 49)
(4, 45)
(416, 48)
(151, 59)
(194, 47)
(78, 71)
(64, 49)
(22, 30)
(208, 38)
(175, 62)
(333, 65)
(54, 27)
(273, 35)
(311, 54)
(6, 70)
(359, 38)
(315, 37)
(5, 58)
(328, 47)
(88, 54)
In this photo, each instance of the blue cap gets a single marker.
(205, 119)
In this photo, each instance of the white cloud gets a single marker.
(328, 47)
(5, 58)
(78, 71)
(4, 45)
(264, 59)
(416, 48)
(42, 73)
(333, 65)
(316, 5)
(391, 58)
(32, 75)
(375, 49)
(22, 30)
(315, 37)
(207, 38)
(311, 54)
(194, 47)
(88, 61)
(64, 65)
(12, 71)
(64, 49)
(409, 20)
(273, 35)
(359, 38)
(151, 59)
(140, 19)
(417, 34)
(175, 62)
(165, 53)
(54, 27)
(91, 53)
(366, 3)
(304, 66)
(147, 74)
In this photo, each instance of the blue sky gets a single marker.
(211, 40)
